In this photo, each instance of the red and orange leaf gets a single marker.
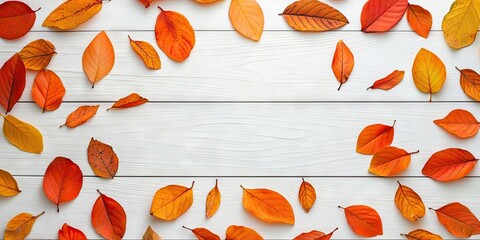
(80, 116)
(420, 234)
(390, 161)
(458, 220)
(342, 63)
(306, 195)
(147, 53)
(108, 217)
(382, 15)
(37, 54)
(171, 202)
(12, 82)
(203, 234)
(206, 1)
(409, 203)
(470, 83)
(150, 234)
(102, 159)
(214, 198)
(20, 226)
(48, 90)
(70, 233)
(129, 101)
(98, 58)
(242, 233)
(374, 138)
(420, 19)
(364, 220)
(460, 123)
(8, 184)
(268, 206)
(247, 18)
(146, 3)
(388, 82)
(449, 164)
(315, 235)
(16, 19)
(72, 13)
(429, 72)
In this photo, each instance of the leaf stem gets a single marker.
(431, 209)
(394, 121)
(40, 214)
(216, 183)
(38, 9)
(193, 183)
(187, 228)
(341, 207)
(58, 207)
(339, 86)
(458, 69)
(403, 234)
(399, 184)
(410, 153)
(161, 9)
(99, 192)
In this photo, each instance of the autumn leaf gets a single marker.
(102, 159)
(22, 135)
(171, 202)
(342, 63)
(461, 23)
(146, 3)
(213, 201)
(242, 233)
(16, 19)
(374, 138)
(409, 203)
(428, 72)
(247, 18)
(390, 161)
(174, 35)
(150, 234)
(98, 58)
(20, 226)
(315, 235)
(129, 101)
(449, 164)
(388, 82)
(306, 195)
(313, 16)
(364, 220)
(12, 82)
(460, 123)
(420, 19)
(470, 83)
(420, 234)
(80, 116)
(382, 15)
(37, 54)
(70, 233)
(147, 53)
(8, 184)
(458, 220)
(108, 217)
(62, 181)
(72, 13)
(203, 234)
(206, 1)
(268, 206)
(48, 90)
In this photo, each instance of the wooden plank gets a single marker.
(237, 139)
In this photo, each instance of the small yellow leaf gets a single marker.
(147, 53)
(171, 202)
(428, 72)
(247, 18)
(20, 226)
(22, 135)
(409, 203)
(213, 201)
(37, 54)
(307, 195)
(8, 184)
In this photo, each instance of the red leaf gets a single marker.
(12, 82)
(449, 164)
(16, 19)
(364, 220)
(70, 233)
(382, 15)
(108, 218)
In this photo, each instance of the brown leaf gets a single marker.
(12, 82)
(409, 203)
(37, 54)
(342, 63)
(102, 159)
(98, 58)
(80, 116)
(108, 217)
(129, 101)
(470, 83)
(315, 235)
(268, 206)
(147, 53)
(171, 202)
(364, 220)
(8, 184)
(420, 19)
(16, 19)
(449, 164)
(306, 195)
(150, 234)
(247, 18)
(48, 90)
(420, 234)
(213, 201)
(242, 233)
(374, 138)
(203, 234)
(460, 123)
(70, 233)
(388, 82)
(458, 220)
(390, 161)
(20, 226)
(72, 13)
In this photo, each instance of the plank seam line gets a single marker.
(243, 176)
(221, 30)
(267, 102)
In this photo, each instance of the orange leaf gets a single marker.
(409, 203)
(98, 58)
(374, 138)
(421, 234)
(364, 220)
(171, 202)
(315, 235)
(129, 101)
(213, 201)
(22, 135)
(314, 16)
(382, 15)
(206, 1)
(81, 115)
(20, 226)
(343, 62)
(70, 233)
(460, 123)
(12, 82)
(458, 220)
(306, 195)
(147, 53)
(428, 72)
(449, 164)
(388, 82)
(146, 3)
(203, 234)
(37, 54)
(268, 206)
(108, 217)
(247, 18)
(72, 13)
(420, 19)
(174, 34)
(150, 234)
(242, 233)
(470, 83)
(390, 161)
(16, 19)
(48, 90)
(62, 181)
(8, 185)
(102, 159)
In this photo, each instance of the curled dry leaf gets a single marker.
(70, 233)
(147, 53)
(171, 202)
(174, 35)
(214, 198)
(449, 164)
(342, 63)
(315, 235)
(306, 195)
(102, 159)
(16, 19)
(420, 234)
(364, 220)
(241, 233)
(8, 184)
(268, 206)
(470, 83)
(37, 54)
(388, 82)
(390, 161)
(129, 101)
(461, 23)
(20, 226)
(382, 15)
(460, 123)
(203, 234)
(150, 234)
(409, 203)
(80, 116)
(428, 72)
(458, 220)
(313, 16)
(48, 90)
(108, 217)
(22, 135)
(374, 138)
(98, 58)
(12, 82)
(72, 13)
(247, 18)
(420, 19)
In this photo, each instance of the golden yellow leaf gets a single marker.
(409, 203)
(268, 206)
(147, 53)
(22, 135)
(171, 202)
(20, 226)
(150, 234)
(428, 72)
(98, 58)
(461, 23)
(420, 234)
(72, 13)
(247, 18)
(8, 184)
(470, 83)
(307, 195)
(37, 54)
(213, 201)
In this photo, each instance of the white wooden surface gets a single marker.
(258, 114)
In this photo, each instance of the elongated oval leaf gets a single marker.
(247, 18)
(16, 19)
(242, 233)
(420, 19)
(37, 54)
(315, 235)
(364, 220)
(203, 234)
(20, 226)
(460, 123)
(428, 72)
(390, 161)
(98, 58)
(70, 233)
(171, 202)
(409, 203)
(470, 83)
(307, 195)
(461, 23)
(458, 220)
(108, 217)
(48, 90)
(150, 234)
(382, 15)
(375, 137)
(214, 198)
(342, 63)
(22, 135)
(102, 159)
(72, 13)
(129, 101)
(147, 53)
(80, 116)
(449, 164)
(388, 82)
(8, 184)
(12, 82)
(268, 206)
(420, 234)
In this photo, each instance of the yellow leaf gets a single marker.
(247, 18)
(20, 226)
(98, 58)
(307, 195)
(147, 53)
(22, 135)
(409, 203)
(72, 13)
(461, 23)
(150, 234)
(428, 72)
(213, 201)
(171, 202)
(37, 54)
(8, 184)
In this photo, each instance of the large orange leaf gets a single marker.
(20, 226)
(458, 220)
(306, 195)
(102, 159)
(242, 233)
(62, 181)
(409, 203)
(247, 18)
(129, 101)
(70, 233)
(388, 82)
(461, 23)
(313, 16)
(390, 161)
(150, 234)
(80, 116)
(147, 53)
(16, 19)
(428, 72)
(268, 206)
(420, 234)
(22, 135)
(174, 34)
(375, 137)
(364, 220)
(12, 82)
(382, 15)
(342, 63)
(108, 217)
(214, 198)
(203, 234)
(48, 90)
(470, 83)
(315, 235)
(420, 19)
(460, 123)
(8, 184)
(72, 13)
(98, 58)
(171, 202)
(449, 164)
(37, 54)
